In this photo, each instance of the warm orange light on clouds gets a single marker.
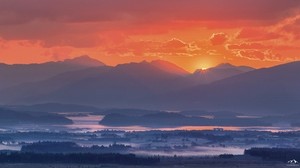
(191, 33)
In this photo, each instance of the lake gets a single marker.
(91, 123)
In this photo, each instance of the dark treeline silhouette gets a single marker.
(77, 158)
(72, 147)
(226, 156)
(278, 154)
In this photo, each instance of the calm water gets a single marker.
(91, 123)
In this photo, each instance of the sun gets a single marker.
(204, 64)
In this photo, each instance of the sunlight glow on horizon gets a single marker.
(250, 33)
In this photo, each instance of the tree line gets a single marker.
(278, 154)
(76, 158)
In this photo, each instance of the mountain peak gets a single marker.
(224, 66)
(228, 66)
(84, 60)
(169, 67)
(221, 71)
(161, 65)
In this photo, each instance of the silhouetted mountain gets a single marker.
(44, 87)
(10, 117)
(219, 72)
(169, 67)
(54, 107)
(102, 86)
(12, 75)
(269, 90)
(144, 85)
(85, 61)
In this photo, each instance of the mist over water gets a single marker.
(88, 132)
(197, 151)
(6, 147)
(91, 123)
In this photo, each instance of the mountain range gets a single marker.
(222, 71)
(153, 85)
(11, 75)
(263, 91)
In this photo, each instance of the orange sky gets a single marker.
(191, 33)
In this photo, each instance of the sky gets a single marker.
(193, 34)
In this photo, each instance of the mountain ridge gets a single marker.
(143, 85)
(269, 90)
(12, 75)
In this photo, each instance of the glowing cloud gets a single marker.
(187, 32)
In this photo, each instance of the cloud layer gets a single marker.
(182, 31)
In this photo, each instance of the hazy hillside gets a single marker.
(12, 75)
(169, 67)
(54, 107)
(219, 72)
(10, 118)
(152, 85)
(102, 85)
(271, 90)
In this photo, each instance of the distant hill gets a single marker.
(84, 61)
(169, 67)
(10, 118)
(219, 72)
(102, 86)
(166, 119)
(54, 107)
(272, 90)
(17, 94)
(163, 85)
(12, 75)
